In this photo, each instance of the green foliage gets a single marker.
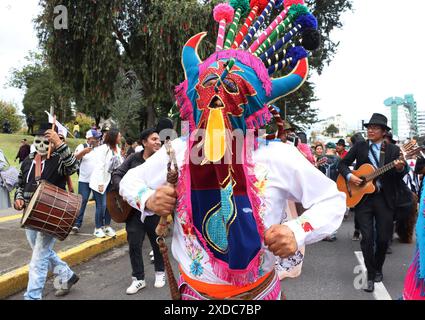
(296, 107)
(85, 55)
(84, 121)
(332, 130)
(328, 14)
(8, 112)
(42, 89)
(127, 103)
(147, 37)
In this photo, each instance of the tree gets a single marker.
(298, 104)
(126, 104)
(147, 37)
(43, 90)
(332, 130)
(8, 112)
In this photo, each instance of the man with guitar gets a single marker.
(375, 211)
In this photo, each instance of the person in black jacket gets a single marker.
(375, 212)
(62, 163)
(24, 151)
(136, 225)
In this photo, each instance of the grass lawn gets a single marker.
(10, 143)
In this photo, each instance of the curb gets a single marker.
(16, 280)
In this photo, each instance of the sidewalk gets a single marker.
(15, 252)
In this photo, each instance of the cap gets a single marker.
(92, 134)
(330, 145)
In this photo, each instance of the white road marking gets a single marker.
(380, 292)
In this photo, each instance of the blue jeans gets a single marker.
(43, 259)
(84, 190)
(102, 214)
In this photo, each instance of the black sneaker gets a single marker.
(378, 277)
(356, 236)
(370, 286)
(66, 287)
(389, 250)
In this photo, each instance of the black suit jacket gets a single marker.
(391, 180)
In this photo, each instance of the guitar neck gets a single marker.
(380, 171)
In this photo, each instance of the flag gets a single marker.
(61, 129)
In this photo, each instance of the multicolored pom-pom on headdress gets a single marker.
(234, 89)
(248, 87)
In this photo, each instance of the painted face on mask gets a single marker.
(41, 145)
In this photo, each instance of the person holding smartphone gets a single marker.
(87, 160)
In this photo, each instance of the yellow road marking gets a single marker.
(10, 218)
(16, 280)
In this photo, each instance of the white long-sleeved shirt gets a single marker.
(100, 176)
(286, 174)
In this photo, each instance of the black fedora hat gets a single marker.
(43, 128)
(341, 142)
(379, 120)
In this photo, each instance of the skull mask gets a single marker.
(41, 145)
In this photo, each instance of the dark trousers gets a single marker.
(375, 220)
(356, 223)
(136, 231)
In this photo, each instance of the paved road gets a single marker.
(15, 251)
(328, 274)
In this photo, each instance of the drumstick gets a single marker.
(50, 145)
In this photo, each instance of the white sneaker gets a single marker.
(151, 253)
(135, 286)
(99, 233)
(159, 279)
(109, 231)
(152, 260)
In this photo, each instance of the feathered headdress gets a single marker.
(234, 89)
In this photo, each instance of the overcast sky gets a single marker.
(380, 55)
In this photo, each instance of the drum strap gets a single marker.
(37, 168)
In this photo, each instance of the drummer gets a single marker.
(60, 164)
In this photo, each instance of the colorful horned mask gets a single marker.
(219, 203)
(234, 87)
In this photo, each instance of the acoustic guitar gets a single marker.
(369, 174)
(119, 210)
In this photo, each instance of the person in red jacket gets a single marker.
(340, 148)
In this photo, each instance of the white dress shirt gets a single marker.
(287, 175)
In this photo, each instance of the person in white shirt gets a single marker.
(283, 173)
(108, 158)
(230, 196)
(84, 153)
(139, 147)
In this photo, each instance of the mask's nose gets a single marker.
(216, 103)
